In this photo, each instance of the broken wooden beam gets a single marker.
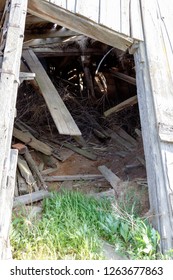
(30, 198)
(60, 114)
(26, 174)
(27, 138)
(34, 169)
(31, 163)
(73, 177)
(54, 13)
(121, 106)
(22, 185)
(110, 177)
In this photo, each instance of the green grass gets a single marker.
(73, 226)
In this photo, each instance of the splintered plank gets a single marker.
(30, 140)
(60, 114)
(110, 176)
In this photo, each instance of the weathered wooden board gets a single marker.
(56, 14)
(110, 176)
(73, 177)
(89, 9)
(27, 138)
(110, 14)
(26, 173)
(136, 30)
(123, 77)
(60, 114)
(155, 99)
(30, 198)
(125, 17)
(9, 81)
(6, 196)
(125, 104)
(61, 3)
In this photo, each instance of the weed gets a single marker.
(72, 227)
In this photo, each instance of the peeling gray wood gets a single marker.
(10, 79)
(7, 195)
(154, 85)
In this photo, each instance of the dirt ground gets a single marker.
(124, 164)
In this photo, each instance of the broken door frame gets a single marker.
(158, 144)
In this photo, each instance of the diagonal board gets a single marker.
(60, 114)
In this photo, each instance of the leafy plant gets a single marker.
(73, 226)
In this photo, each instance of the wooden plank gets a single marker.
(49, 171)
(48, 52)
(26, 174)
(73, 177)
(125, 17)
(122, 141)
(78, 23)
(27, 138)
(77, 150)
(61, 3)
(165, 11)
(89, 9)
(123, 105)
(61, 116)
(110, 14)
(23, 187)
(136, 30)
(122, 133)
(30, 198)
(123, 77)
(110, 177)
(148, 62)
(159, 65)
(9, 80)
(34, 169)
(7, 195)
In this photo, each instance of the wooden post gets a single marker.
(155, 98)
(6, 205)
(9, 81)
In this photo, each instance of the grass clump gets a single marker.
(73, 226)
